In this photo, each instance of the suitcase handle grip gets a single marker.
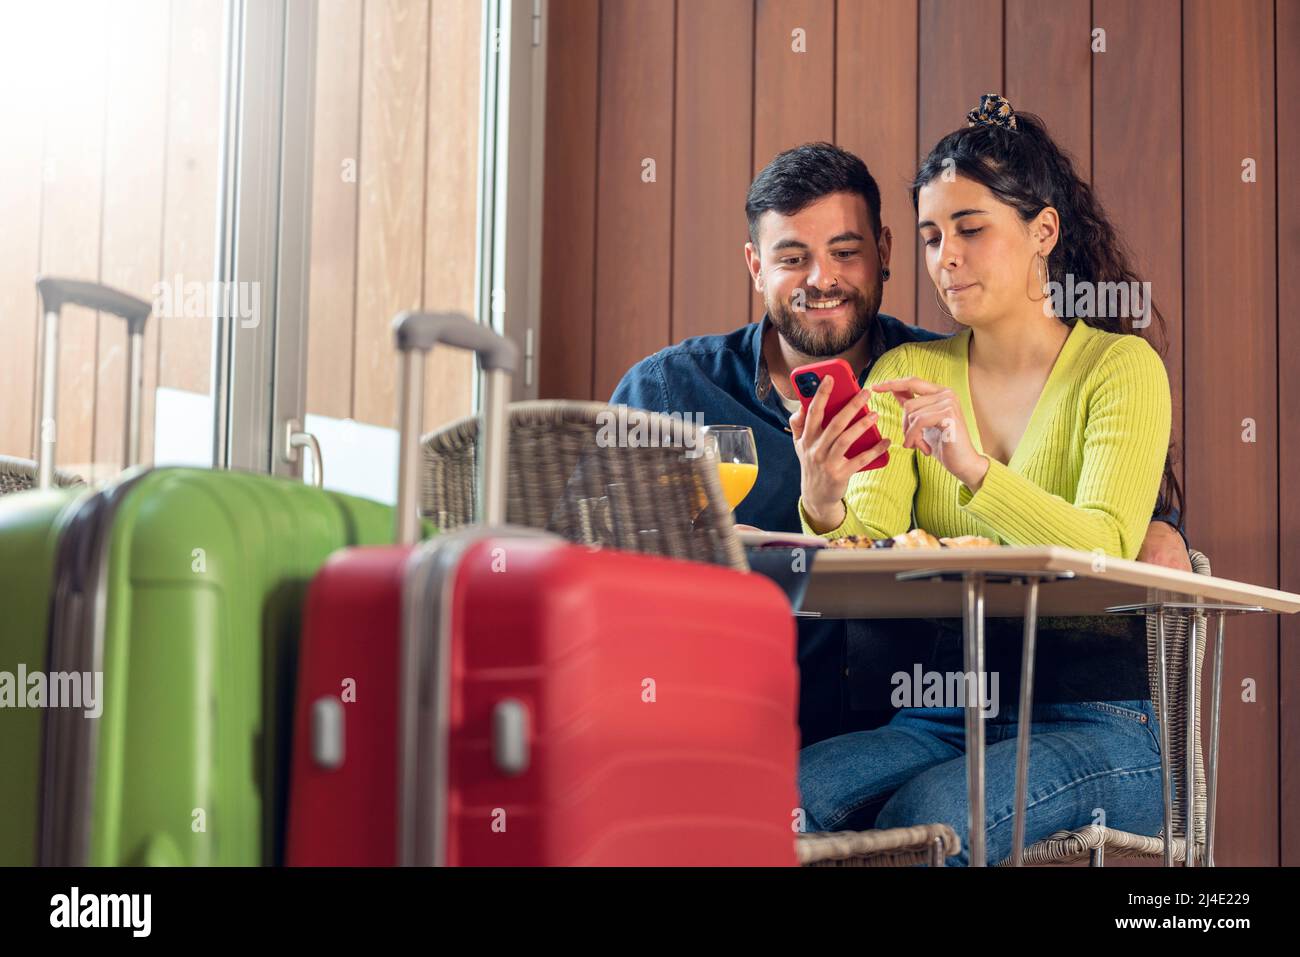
(424, 330)
(55, 293)
(415, 334)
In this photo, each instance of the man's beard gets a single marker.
(821, 344)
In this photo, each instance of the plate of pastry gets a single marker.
(917, 538)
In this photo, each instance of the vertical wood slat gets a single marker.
(711, 166)
(960, 58)
(875, 117)
(335, 184)
(1137, 129)
(1231, 337)
(131, 252)
(633, 217)
(1049, 70)
(565, 350)
(70, 213)
(390, 220)
(1288, 292)
(451, 195)
(794, 92)
(20, 235)
(1137, 124)
(189, 218)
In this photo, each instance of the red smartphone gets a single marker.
(807, 379)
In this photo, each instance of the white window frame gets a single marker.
(264, 221)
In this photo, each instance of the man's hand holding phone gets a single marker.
(821, 441)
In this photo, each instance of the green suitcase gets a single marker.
(30, 525)
(181, 588)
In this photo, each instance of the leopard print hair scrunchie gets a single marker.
(994, 110)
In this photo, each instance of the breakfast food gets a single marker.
(967, 541)
(860, 541)
(916, 538)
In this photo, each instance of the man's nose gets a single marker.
(823, 275)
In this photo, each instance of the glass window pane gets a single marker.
(110, 172)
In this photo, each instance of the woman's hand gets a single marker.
(933, 423)
(824, 471)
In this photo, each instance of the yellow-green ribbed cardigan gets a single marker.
(1085, 474)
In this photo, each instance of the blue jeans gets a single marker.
(1089, 762)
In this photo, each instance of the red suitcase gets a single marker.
(497, 696)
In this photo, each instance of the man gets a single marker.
(818, 254)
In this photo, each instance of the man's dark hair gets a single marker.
(805, 174)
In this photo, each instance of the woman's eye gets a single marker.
(932, 241)
(971, 232)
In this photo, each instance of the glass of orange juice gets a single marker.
(737, 459)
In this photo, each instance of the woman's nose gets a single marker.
(949, 254)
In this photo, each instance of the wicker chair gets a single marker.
(565, 477)
(1095, 843)
(18, 475)
(641, 497)
(930, 844)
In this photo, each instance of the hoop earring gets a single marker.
(941, 308)
(1043, 275)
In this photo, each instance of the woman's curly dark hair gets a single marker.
(1025, 168)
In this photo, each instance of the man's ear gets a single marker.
(755, 266)
(885, 246)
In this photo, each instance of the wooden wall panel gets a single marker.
(1231, 336)
(190, 204)
(1288, 293)
(451, 196)
(335, 187)
(1148, 120)
(131, 253)
(960, 58)
(569, 205)
(390, 220)
(21, 111)
(1049, 70)
(715, 62)
(794, 92)
(1137, 165)
(71, 206)
(633, 215)
(875, 117)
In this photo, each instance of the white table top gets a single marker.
(861, 583)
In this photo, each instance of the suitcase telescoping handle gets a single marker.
(55, 294)
(415, 334)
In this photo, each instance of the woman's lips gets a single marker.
(954, 290)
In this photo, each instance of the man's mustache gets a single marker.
(849, 295)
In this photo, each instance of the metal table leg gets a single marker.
(1189, 763)
(1162, 706)
(1024, 722)
(1215, 690)
(973, 660)
(973, 655)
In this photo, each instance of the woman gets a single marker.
(1027, 427)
